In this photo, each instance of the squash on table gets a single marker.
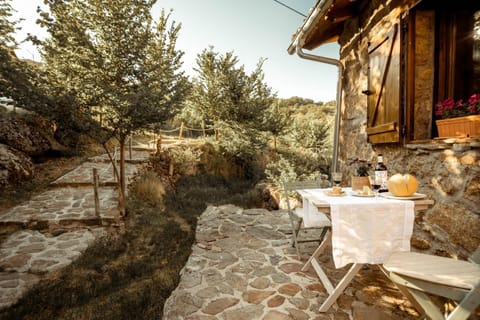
(402, 185)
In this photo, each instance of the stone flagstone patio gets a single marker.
(242, 266)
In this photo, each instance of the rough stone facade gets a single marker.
(448, 170)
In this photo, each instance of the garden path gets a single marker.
(54, 228)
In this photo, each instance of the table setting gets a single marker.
(366, 226)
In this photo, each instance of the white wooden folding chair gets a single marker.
(419, 274)
(297, 215)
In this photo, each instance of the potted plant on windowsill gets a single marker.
(458, 119)
(361, 172)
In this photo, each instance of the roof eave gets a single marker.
(324, 24)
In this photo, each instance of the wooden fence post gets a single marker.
(95, 192)
(180, 134)
(130, 147)
(159, 143)
(113, 165)
(170, 169)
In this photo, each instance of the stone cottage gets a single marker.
(398, 58)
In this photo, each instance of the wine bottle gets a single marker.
(381, 174)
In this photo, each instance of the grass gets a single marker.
(131, 274)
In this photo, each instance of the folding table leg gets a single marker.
(334, 292)
(347, 278)
(326, 240)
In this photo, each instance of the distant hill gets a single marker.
(304, 106)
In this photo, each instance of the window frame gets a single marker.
(447, 80)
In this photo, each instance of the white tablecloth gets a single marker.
(364, 230)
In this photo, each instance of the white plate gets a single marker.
(414, 196)
(362, 195)
(330, 194)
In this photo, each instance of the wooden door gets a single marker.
(383, 117)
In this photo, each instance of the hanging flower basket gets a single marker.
(468, 126)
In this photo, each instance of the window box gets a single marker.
(468, 126)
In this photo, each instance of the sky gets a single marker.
(252, 29)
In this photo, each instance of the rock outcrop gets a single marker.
(14, 166)
(18, 134)
(21, 141)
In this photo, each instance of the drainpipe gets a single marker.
(320, 8)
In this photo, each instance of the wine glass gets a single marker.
(337, 178)
(376, 184)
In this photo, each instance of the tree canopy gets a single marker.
(231, 100)
(18, 79)
(112, 59)
(109, 60)
(225, 92)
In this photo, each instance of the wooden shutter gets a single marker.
(383, 117)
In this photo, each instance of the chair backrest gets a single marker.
(289, 186)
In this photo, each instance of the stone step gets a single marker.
(62, 205)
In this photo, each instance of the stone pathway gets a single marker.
(242, 267)
(54, 228)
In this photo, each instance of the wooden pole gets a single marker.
(114, 161)
(130, 147)
(170, 169)
(180, 134)
(95, 192)
(159, 143)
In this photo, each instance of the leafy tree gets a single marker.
(310, 134)
(233, 102)
(18, 79)
(225, 93)
(109, 59)
(276, 121)
(7, 27)
(306, 148)
(7, 44)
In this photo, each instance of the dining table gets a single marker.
(365, 229)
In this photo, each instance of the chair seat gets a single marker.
(435, 269)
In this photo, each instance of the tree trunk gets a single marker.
(119, 177)
(121, 193)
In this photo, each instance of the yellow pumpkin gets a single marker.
(402, 185)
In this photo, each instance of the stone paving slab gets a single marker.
(63, 205)
(14, 285)
(83, 175)
(37, 253)
(243, 267)
(137, 155)
(26, 255)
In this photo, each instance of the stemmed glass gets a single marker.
(375, 185)
(337, 178)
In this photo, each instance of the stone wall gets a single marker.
(448, 170)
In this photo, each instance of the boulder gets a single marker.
(25, 137)
(14, 166)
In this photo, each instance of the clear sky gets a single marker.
(252, 29)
